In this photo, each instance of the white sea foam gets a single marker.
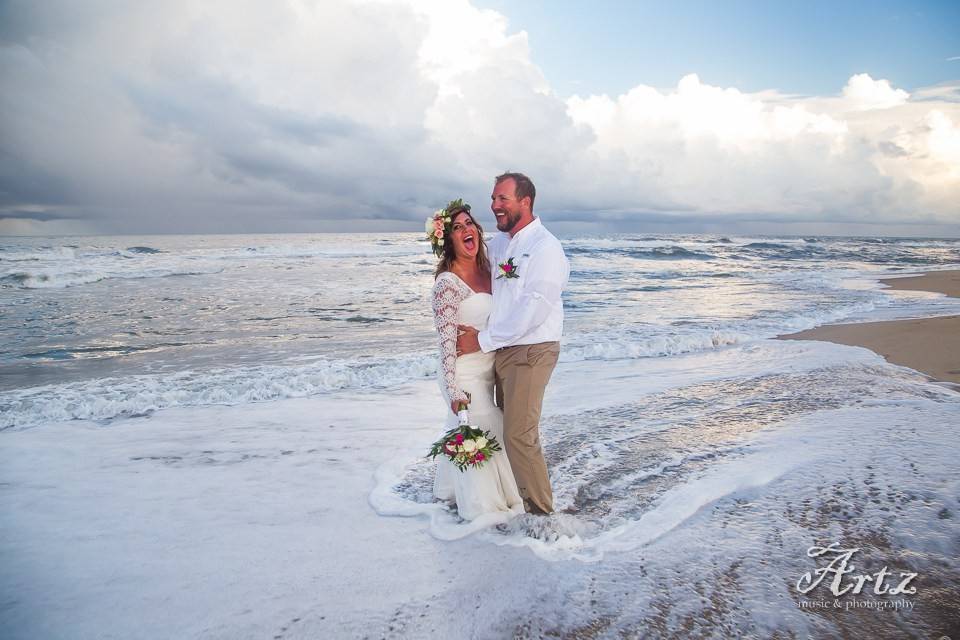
(817, 446)
(63, 266)
(801, 449)
(669, 341)
(54, 278)
(607, 346)
(32, 254)
(108, 398)
(256, 519)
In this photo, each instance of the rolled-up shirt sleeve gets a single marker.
(547, 273)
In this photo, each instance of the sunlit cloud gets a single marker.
(865, 93)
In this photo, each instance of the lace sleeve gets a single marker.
(447, 296)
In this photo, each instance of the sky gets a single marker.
(809, 47)
(367, 115)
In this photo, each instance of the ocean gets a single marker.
(99, 328)
(230, 424)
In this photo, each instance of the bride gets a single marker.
(462, 295)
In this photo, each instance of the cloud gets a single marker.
(953, 58)
(865, 93)
(719, 150)
(298, 115)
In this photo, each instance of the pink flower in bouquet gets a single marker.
(465, 447)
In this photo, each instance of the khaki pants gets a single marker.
(522, 373)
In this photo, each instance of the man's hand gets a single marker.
(467, 341)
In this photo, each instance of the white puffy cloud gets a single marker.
(865, 93)
(943, 142)
(718, 150)
(303, 115)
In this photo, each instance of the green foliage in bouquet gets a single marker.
(466, 446)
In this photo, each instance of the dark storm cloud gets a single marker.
(22, 182)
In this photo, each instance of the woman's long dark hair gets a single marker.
(449, 254)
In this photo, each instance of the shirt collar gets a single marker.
(523, 232)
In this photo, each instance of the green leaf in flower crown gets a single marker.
(457, 204)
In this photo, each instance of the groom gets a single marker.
(530, 271)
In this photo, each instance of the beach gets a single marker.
(225, 437)
(929, 345)
(225, 354)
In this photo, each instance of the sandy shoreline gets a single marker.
(945, 282)
(929, 345)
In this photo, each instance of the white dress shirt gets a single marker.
(526, 309)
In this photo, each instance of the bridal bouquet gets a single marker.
(465, 445)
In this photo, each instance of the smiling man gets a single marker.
(529, 271)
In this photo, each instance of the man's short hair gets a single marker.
(524, 186)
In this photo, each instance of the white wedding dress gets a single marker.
(489, 492)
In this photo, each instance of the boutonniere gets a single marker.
(507, 269)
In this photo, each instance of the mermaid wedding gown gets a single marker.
(491, 489)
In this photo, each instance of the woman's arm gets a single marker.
(447, 296)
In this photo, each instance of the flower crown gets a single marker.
(438, 225)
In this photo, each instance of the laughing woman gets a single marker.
(462, 295)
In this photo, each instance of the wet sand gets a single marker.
(928, 345)
(945, 282)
